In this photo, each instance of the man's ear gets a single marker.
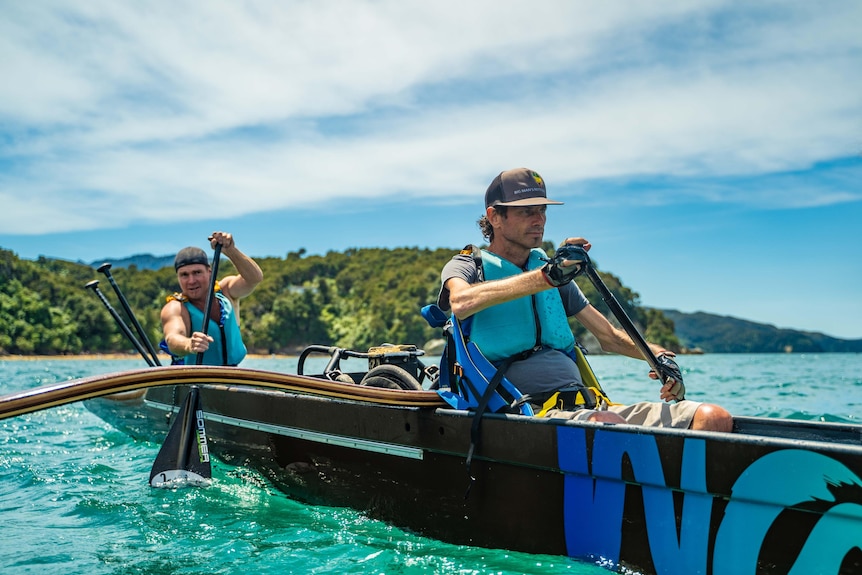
(492, 215)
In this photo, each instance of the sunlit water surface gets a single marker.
(74, 495)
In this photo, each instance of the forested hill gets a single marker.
(724, 334)
(355, 299)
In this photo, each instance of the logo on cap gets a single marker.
(537, 178)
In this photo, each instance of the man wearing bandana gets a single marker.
(183, 315)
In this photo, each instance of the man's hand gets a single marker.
(223, 238)
(673, 387)
(672, 390)
(577, 242)
(568, 261)
(199, 342)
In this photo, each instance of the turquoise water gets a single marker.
(74, 495)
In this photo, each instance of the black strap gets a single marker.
(476, 252)
(454, 383)
(223, 346)
(475, 428)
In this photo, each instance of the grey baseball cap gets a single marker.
(519, 187)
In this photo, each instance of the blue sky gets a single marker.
(711, 151)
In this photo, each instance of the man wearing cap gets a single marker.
(519, 304)
(183, 315)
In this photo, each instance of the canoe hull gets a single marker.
(770, 498)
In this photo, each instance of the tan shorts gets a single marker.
(648, 413)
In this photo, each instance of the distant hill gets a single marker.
(725, 334)
(353, 299)
(141, 261)
(707, 332)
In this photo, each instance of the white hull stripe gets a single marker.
(304, 434)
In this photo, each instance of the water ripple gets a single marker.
(75, 498)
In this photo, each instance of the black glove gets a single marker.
(569, 260)
(670, 369)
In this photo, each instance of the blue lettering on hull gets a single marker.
(594, 499)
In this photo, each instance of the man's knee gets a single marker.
(710, 417)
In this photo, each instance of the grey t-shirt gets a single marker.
(545, 370)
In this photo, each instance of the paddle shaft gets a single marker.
(106, 269)
(624, 319)
(210, 296)
(94, 285)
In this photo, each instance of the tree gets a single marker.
(356, 299)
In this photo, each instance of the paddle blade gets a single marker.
(184, 458)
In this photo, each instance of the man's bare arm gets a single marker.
(466, 299)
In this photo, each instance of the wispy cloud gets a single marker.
(145, 111)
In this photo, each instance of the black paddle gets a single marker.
(184, 459)
(94, 285)
(210, 295)
(662, 365)
(105, 268)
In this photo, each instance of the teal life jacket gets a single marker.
(510, 328)
(227, 347)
